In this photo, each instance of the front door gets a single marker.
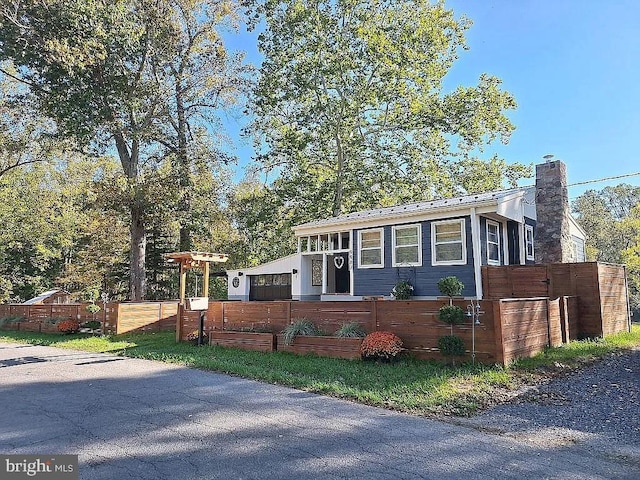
(342, 277)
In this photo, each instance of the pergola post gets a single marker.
(187, 261)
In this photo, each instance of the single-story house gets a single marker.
(365, 254)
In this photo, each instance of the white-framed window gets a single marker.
(407, 245)
(528, 242)
(493, 243)
(371, 248)
(448, 242)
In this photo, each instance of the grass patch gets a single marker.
(409, 385)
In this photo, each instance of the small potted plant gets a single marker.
(403, 290)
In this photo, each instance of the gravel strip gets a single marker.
(595, 407)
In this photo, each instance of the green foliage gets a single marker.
(300, 326)
(92, 308)
(450, 286)
(350, 106)
(54, 320)
(350, 330)
(92, 325)
(451, 345)
(611, 218)
(451, 314)
(403, 290)
(11, 320)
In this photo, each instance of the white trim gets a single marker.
(505, 243)
(324, 273)
(396, 218)
(522, 246)
(377, 265)
(394, 263)
(497, 225)
(477, 252)
(529, 228)
(463, 235)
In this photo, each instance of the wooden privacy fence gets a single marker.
(115, 318)
(508, 329)
(601, 289)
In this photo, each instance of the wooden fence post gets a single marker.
(179, 323)
(497, 329)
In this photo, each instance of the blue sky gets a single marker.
(574, 69)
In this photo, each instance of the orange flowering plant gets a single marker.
(68, 326)
(381, 345)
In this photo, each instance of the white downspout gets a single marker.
(477, 253)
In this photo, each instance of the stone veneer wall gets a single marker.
(552, 239)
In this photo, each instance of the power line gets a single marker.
(604, 179)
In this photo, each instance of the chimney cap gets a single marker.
(548, 157)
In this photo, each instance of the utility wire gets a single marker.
(604, 179)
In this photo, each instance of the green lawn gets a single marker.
(414, 386)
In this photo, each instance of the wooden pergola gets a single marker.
(197, 260)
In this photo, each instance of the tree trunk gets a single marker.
(337, 198)
(138, 281)
(184, 206)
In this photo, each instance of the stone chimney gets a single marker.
(552, 238)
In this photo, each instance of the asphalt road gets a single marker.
(137, 419)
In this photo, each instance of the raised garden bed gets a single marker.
(47, 327)
(30, 326)
(262, 342)
(10, 326)
(334, 347)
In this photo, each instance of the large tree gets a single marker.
(611, 218)
(121, 75)
(351, 110)
(199, 78)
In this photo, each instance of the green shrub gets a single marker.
(91, 324)
(53, 320)
(403, 290)
(11, 319)
(451, 315)
(451, 345)
(350, 330)
(92, 308)
(301, 326)
(450, 286)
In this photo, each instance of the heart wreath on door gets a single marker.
(338, 262)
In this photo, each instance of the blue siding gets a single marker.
(380, 281)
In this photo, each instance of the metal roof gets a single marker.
(43, 296)
(427, 206)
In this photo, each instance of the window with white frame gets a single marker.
(528, 239)
(448, 242)
(407, 245)
(371, 248)
(493, 243)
